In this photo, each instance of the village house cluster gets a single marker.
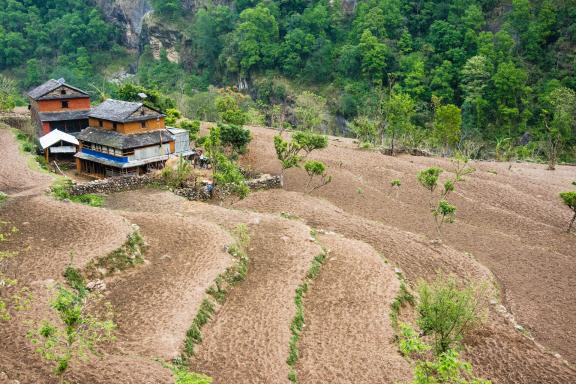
(112, 139)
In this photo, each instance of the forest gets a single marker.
(488, 76)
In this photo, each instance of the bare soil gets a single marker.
(509, 230)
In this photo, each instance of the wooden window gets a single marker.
(65, 104)
(100, 123)
(143, 124)
(114, 126)
(63, 92)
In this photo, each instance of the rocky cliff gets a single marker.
(129, 15)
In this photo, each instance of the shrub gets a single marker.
(316, 169)
(176, 172)
(410, 342)
(447, 368)
(234, 138)
(447, 312)
(192, 126)
(3, 197)
(569, 198)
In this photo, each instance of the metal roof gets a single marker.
(49, 86)
(119, 141)
(63, 116)
(121, 111)
(56, 136)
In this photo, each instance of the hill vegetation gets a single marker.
(435, 73)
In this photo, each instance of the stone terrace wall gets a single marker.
(127, 183)
(112, 185)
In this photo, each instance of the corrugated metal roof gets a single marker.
(49, 86)
(56, 136)
(63, 116)
(117, 140)
(121, 111)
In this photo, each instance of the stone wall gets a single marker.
(112, 185)
(127, 183)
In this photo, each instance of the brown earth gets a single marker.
(510, 220)
(509, 228)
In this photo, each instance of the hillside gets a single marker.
(494, 62)
(509, 232)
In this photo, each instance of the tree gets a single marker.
(447, 125)
(290, 152)
(569, 198)
(365, 129)
(234, 138)
(78, 333)
(316, 169)
(475, 79)
(447, 312)
(398, 110)
(374, 55)
(310, 111)
(7, 93)
(562, 102)
(229, 110)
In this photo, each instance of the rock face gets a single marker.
(129, 15)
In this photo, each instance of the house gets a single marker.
(57, 105)
(58, 144)
(126, 138)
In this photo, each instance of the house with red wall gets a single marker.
(57, 105)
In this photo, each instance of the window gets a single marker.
(64, 104)
(114, 126)
(143, 124)
(63, 92)
(100, 123)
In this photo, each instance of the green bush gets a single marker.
(410, 342)
(446, 369)
(447, 312)
(569, 198)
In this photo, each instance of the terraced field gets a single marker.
(509, 232)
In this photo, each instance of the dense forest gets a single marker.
(441, 73)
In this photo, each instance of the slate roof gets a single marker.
(49, 86)
(121, 111)
(56, 136)
(119, 141)
(64, 116)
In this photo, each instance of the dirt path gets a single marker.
(348, 337)
(248, 341)
(511, 220)
(156, 303)
(15, 173)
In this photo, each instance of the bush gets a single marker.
(234, 137)
(447, 312)
(192, 126)
(569, 198)
(447, 368)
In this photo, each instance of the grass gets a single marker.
(131, 253)
(3, 197)
(61, 191)
(298, 320)
(402, 298)
(27, 145)
(218, 291)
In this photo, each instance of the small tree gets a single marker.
(234, 138)
(192, 126)
(316, 169)
(78, 333)
(290, 152)
(562, 103)
(7, 93)
(229, 110)
(398, 111)
(569, 198)
(447, 312)
(396, 184)
(461, 168)
(441, 209)
(447, 125)
(310, 110)
(365, 129)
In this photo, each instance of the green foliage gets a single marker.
(234, 138)
(447, 125)
(61, 191)
(310, 111)
(298, 320)
(172, 116)
(569, 198)
(183, 376)
(447, 312)
(176, 174)
(316, 169)
(428, 178)
(396, 183)
(154, 98)
(7, 93)
(448, 369)
(76, 335)
(3, 197)
(229, 110)
(192, 126)
(130, 254)
(365, 129)
(409, 341)
(398, 111)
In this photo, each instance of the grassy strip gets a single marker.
(3, 197)
(131, 253)
(27, 145)
(218, 291)
(61, 191)
(402, 298)
(298, 321)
